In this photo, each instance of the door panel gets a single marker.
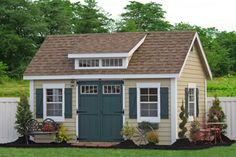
(100, 115)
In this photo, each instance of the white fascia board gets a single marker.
(99, 76)
(99, 55)
(137, 46)
(196, 37)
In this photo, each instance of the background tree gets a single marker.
(89, 18)
(23, 114)
(57, 15)
(143, 17)
(20, 29)
(184, 119)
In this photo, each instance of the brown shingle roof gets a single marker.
(161, 52)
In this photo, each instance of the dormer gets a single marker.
(104, 60)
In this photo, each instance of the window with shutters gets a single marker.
(192, 100)
(53, 101)
(148, 96)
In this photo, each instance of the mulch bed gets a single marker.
(21, 143)
(180, 144)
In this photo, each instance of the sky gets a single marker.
(206, 13)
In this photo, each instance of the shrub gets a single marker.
(127, 131)
(62, 135)
(216, 113)
(182, 127)
(23, 114)
(152, 137)
(195, 131)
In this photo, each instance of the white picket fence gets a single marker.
(228, 105)
(7, 119)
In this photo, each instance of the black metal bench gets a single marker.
(33, 127)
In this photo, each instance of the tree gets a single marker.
(23, 114)
(216, 113)
(57, 15)
(184, 119)
(89, 18)
(143, 17)
(21, 28)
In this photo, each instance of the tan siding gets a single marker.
(165, 124)
(193, 72)
(69, 123)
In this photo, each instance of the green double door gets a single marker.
(100, 110)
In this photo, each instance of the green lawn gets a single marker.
(79, 152)
(223, 86)
(12, 88)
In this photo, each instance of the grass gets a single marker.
(13, 88)
(222, 86)
(78, 152)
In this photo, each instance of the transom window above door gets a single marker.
(148, 99)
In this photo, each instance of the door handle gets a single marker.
(122, 112)
(80, 111)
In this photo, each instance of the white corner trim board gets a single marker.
(174, 121)
(31, 98)
(196, 38)
(94, 77)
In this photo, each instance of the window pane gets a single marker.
(191, 109)
(89, 89)
(153, 98)
(54, 109)
(144, 90)
(120, 62)
(144, 106)
(152, 90)
(49, 92)
(153, 106)
(144, 113)
(153, 113)
(144, 99)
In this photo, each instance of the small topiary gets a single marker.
(195, 133)
(153, 137)
(182, 127)
(127, 131)
(216, 113)
(62, 135)
(23, 114)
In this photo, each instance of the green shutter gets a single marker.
(186, 101)
(68, 102)
(39, 103)
(197, 101)
(132, 103)
(164, 103)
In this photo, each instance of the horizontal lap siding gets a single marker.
(165, 124)
(193, 72)
(69, 123)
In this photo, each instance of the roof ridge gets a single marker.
(113, 33)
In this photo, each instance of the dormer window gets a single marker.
(101, 63)
(112, 62)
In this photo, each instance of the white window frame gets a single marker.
(192, 86)
(89, 87)
(53, 86)
(124, 64)
(103, 87)
(148, 119)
